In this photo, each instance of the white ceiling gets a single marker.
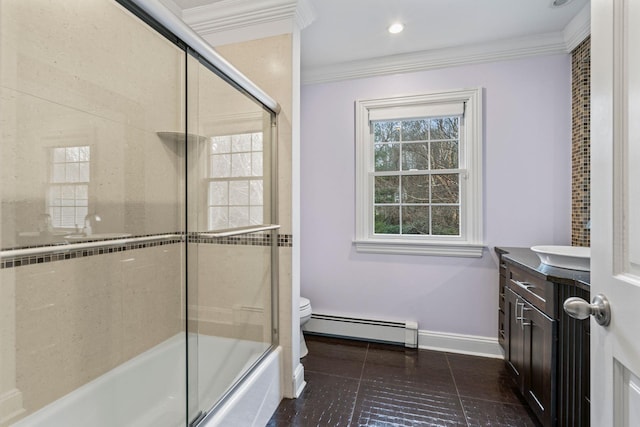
(348, 30)
(349, 38)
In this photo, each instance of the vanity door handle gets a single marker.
(524, 285)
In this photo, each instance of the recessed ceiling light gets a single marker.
(396, 28)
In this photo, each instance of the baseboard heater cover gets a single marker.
(402, 333)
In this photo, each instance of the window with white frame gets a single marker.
(68, 195)
(235, 196)
(419, 174)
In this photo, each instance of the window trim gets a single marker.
(471, 241)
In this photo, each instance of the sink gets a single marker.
(571, 257)
(96, 236)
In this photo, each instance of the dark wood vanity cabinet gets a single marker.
(530, 340)
(546, 351)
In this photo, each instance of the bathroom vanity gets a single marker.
(546, 351)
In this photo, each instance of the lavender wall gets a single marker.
(527, 195)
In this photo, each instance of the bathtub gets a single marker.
(149, 390)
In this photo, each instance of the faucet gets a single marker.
(87, 230)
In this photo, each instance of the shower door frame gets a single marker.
(162, 20)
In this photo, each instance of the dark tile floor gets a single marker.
(354, 383)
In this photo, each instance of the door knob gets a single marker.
(581, 309)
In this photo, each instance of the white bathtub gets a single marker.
(149, 390)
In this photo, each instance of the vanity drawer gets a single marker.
(537, 291)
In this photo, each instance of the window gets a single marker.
(68, 196)
(235, 181)
(419, 173)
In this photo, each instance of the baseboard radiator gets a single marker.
(401, 333)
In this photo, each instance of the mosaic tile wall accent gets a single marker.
(581, 142)
(111, 246)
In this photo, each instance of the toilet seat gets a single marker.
(305, 307)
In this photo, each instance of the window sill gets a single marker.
(465, 250)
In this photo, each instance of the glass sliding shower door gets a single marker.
(137, 227)
(92, 280)
(232, 234)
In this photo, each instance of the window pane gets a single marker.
(444, 155)
(221, 144)
(387, 189)
(220, 166)
(69, 217)
(386, 131)
(239, 193)
(445, 188)
(218, 193)
(415, 156)
(58, 172)
(415, 220)
(256, 164)
(68, 192)
(387, 157)
(415, 130)
(445, 220)
(415, 189)
(72, 172)
(219, 217)
(238, 216)
(255, 215)
(84, 153)
(83, 175)
(256, 141)
(445, 128)
(72, 154)
(82, 194)
(241, 142)
(241, 164)
(256, 194)
(387, 219)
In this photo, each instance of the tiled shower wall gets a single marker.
(75, 319)
(581, 142)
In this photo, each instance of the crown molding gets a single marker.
(578, 29)
(544, 44)
(230, 15)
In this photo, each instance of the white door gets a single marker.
(615, 210)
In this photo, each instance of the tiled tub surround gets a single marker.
(78, 318)
(81, 312)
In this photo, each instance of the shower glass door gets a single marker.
(232, 235)
(138, 245)
(91, 218)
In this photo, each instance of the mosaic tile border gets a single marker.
(60, 253)
(284, 240)
(580, 143)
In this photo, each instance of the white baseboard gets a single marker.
(462, 344)
(298, 380)
(405, 333)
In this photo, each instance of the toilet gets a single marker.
(305, 315)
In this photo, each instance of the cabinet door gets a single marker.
(539, 336)
(514, 335)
